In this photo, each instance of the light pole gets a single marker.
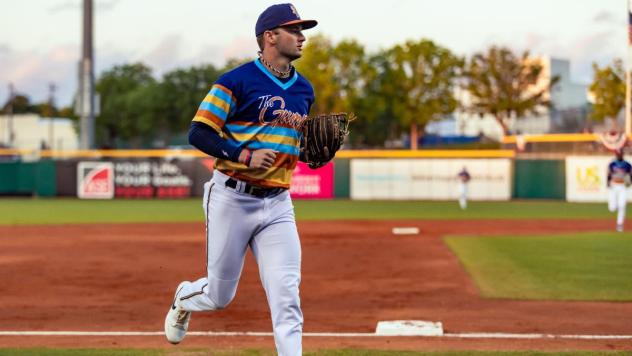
(10, 112)
(51, 112)
(628, 119)
(86, 81)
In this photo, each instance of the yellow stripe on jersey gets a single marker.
(216, 107)
(211, 123)
(270, 138)
(273, 178)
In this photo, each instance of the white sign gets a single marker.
(586, 178)
(429, 179)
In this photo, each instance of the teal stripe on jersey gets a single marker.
(214, 109)
(291, 150)
(276, 80)
(222, 95)
(269, 130)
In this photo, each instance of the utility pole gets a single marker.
(51, 112)
(86, 81)
(10, 112)
(628, 113)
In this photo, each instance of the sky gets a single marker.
(40, 40)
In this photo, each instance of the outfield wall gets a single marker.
(427, 175)
(429, 179)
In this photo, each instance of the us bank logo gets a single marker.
(588, 179)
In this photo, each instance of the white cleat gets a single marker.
(177, 320)
(620, 228)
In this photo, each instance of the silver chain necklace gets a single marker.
(278, 73)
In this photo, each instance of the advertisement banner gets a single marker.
(429, 179)
(310, 183)
(586, 178)
(95, 180)
(149, 179)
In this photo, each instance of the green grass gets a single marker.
(587, 266)
(63, 211)
(341, 352)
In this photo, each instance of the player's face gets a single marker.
(290, 41)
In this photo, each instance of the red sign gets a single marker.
(95, 180)
(310, 183)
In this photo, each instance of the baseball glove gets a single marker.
(323, 136)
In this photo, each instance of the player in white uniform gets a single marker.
(463, 180)
(250, 122)
(619, 178)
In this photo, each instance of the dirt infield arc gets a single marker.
(120, 277)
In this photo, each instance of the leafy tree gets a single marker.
(608, 88)
(21, 104)
(180, 94)
(120, 89)
(233, 63)
(418, 80)
(505, 85)
(45, 110)
(317, 66)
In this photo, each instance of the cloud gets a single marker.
(240, 48)
(101, 6)
(165, 55)
(31, 72)
(107, 5)
(605, 17)
(67, 5)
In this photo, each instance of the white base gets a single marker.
(409, 328)
(405, 230)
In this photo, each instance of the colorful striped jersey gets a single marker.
(618, 170)
(256, 110)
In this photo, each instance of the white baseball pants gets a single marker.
(617, 200)
(234, 222)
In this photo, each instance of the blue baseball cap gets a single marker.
(280, 15)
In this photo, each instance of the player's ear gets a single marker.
(270, 36)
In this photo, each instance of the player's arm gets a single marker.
(609, 175)
(207, 140)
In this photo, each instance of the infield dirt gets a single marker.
(121, 277)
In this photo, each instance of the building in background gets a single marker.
(568, 114)
(30, 131)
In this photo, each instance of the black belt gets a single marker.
(259, 192)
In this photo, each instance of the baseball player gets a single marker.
(463, 178)
(619, 178)
(249, 122)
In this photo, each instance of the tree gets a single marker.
(180, 94)
(418, 78)
(21, 104)
(343, 80)
(317, 66)
(121, 90)
(608, 88)
(505, 85)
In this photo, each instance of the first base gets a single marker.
(409, 328)
(405, 230)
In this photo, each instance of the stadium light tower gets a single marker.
(628, 63)
(85, 102)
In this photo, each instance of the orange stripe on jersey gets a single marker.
(227, 91)
(208, 116)
(285, 160)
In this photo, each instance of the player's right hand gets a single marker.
(263, 158)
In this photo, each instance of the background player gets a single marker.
(619, 178)
(249, 121)
(463, 179)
